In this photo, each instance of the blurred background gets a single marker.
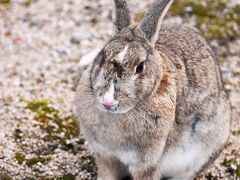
(41, 44)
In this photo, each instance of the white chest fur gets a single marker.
(182, 161)
(127, 157)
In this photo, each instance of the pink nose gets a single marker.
(107, 106)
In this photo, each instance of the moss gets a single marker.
(74, 59)
(236, 133)
(67, 177)
(20, 157)
(4, 176)
(138, 16)
(222, 60)
(232, 167)
(57, 127)
(209, 176)
(238, 171)
(5, 1)
(42, 176)
(35, 160)
(88, 164)
(27, 3)
(43, 109)
(213, 18)
(226, 82)
(21, 98)
(227, 162)
(17, 134)
(33, 24)
(64, 81)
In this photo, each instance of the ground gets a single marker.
(41, 44)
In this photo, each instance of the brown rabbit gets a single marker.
(152, 103)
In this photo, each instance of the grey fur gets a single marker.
(151, 22)
(170, 121)
(122, 15)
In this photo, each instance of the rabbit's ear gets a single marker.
(121, 15)
(152, 20)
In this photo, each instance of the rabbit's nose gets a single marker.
(109, 103)
(108, 106)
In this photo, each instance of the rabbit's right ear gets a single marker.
(122, 17)
(152, 20)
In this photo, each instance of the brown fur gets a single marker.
(177, 108)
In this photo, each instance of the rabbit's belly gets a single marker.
(183, 160)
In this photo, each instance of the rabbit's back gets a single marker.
(196, 69)
(203, 111)
(194, 60)
(200, 90)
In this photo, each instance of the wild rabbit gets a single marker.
(152, 104)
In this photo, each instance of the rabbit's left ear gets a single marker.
(152, 20)
(122, 17)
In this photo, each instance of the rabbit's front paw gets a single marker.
(146, 173)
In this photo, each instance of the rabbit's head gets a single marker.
(128, 68)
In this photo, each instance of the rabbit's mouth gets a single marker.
(114, 109)
(107, 107)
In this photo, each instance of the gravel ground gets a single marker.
(41, 44)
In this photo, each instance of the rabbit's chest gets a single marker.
(115, 142)
(128, 157)
(110, 138)
(123, 136)
(123, 139)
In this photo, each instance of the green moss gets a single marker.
(42, 176)
(21, 98)
(17, 135)
(88, 164)
(43, 109)
(64, 81)
(222, 60)
(226, 82)
(209, 176)
(228, 162)
(138, 16)
(33, 24)
(5, 1)
(67, 177)
(27, 3)
(232, 166)
(213, 18)
(20, 157)
(4, 176)
(75, 59)
(35, 160)
(61, 129)
(58, 128)
(236, 133)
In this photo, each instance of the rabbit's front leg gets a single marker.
(146, 173)
(110, 168)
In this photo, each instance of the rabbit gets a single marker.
(152, 104)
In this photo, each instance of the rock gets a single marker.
(75, 40)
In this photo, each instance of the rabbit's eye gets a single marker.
(140, 68)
